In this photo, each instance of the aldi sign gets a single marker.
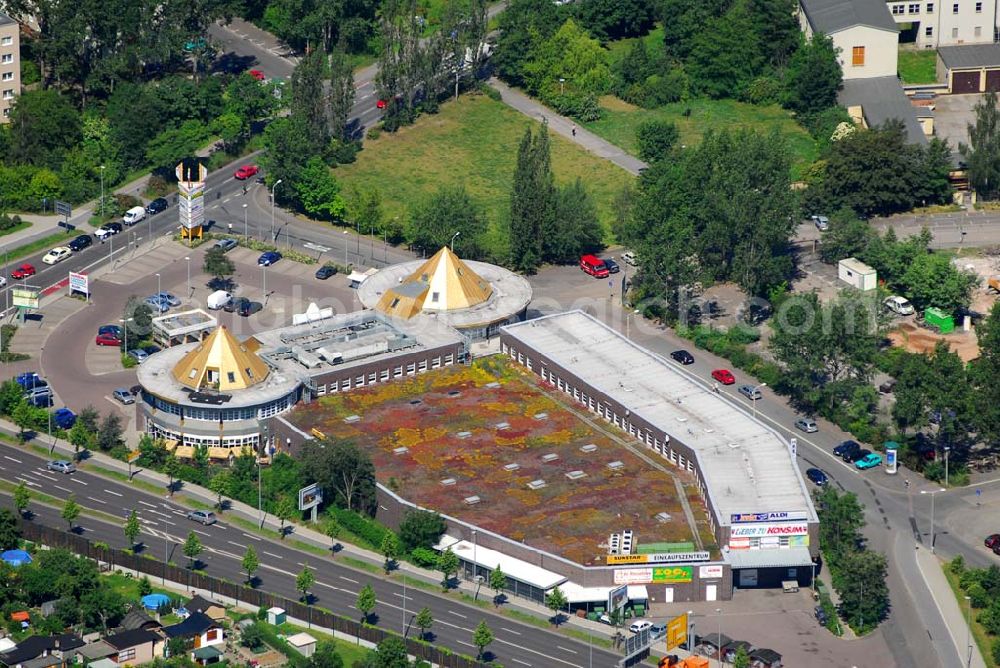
(747, 518)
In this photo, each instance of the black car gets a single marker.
(817, 477)
(325, 272)
(157, 205)
(115, 228)
(248, 308)
(846, 446)
(820, 615)
(683, 356)
(234, 304)
(857, 456)
(611, 265)
(81, 242)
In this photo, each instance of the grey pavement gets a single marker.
(564, 126)
(954, 616)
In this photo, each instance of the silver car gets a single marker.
(61, 466)
(205, 517)
(808, 425)
(750, 392)
(822, 222)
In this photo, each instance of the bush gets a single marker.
(341, 153)
(367, 530)
(128, 362)
(424, 557)
(492, 93)
(763, 91)
(374, 133)
(995, 651)
(157, 186)
(979, 598)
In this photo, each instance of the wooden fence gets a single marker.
(239, 592)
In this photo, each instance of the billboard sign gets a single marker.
(79, 283)
(657, 575)
(24, 297)
(754, 518)
(677, 631)
(617, 598)
(763, 530)
(661, 558)
(310, 496)
(709, 572)
(890, 460)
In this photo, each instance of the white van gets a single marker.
(134, 215)
(218, 299)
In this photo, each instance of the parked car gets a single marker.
(658, 630)
(993, 542)
(247, 308)
(258, 75)
(23, 271)
(629, 258)
(138, 354)
(751, 392)
(57, 255)
(820, 615)
(612, 266)
(899, 305)
(822, 222)
(134, 215)
(817, 477)
(225, 244)
(846, 446)
(871, 460)
(61, 466)
(593, 265)
(724, 376)
(3, 281)
(205, 517)
(683, 356)
(81, 242)
(157, 304)
(325, 272)
(808, 425)
(110, 329)
(30, 380)
(640, 625)
(40, 397)
(124, 395)
(107, 230)
(107, 339)
(218, 299)
(887, 386)
(245, 172)
(268, 258)
(156, 206)
(64, 418)
(171, 299)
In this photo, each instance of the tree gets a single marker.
(344, 471)
(424, 621)
(251, 636)
(450, 210)
(10, 535)
(11, 394)
(742, 658)
(932, 280)
(389, 653)
(864, 596)
(532, 201)
(615, 19)
(447, 563)
(250, 563)
(287, 150)
(219, 484)
(576, 229)
(365, 602)
(814, 76)
(319, 192)
(420, 528)
(556, 601)
(103, 605)
(304, 582)
(110, 433)
(132, 528)
(482, 637)
(248, 100)
(983, 373)
(848, 236)
(22, 497)
(389, 549)
(71, 510)
(308, 101)
(218, 266)
(24, 418)
(175, 144)
(44, 125)
(326, 656)
(192, 548)
(841, 521)
(285, 510)
(341, 94)
(726, 54)
(498, 582)
(365, 209)
(656, 139)
(172, 468)
(522, 25)
(83, 433)
(569, 59)
(982, 153)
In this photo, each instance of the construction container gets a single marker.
(943, 322)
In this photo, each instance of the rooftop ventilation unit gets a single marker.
(500, 426)
(616, 465)
(590, 447)
(663, 518)
(551, 457)
(402, 450)
(536, 484)
(576, 475)
(351, 419)
(464, 434)
(541, 416)
(511, 467)
(471, 500)
(448, 482)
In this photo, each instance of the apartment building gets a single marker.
(862, 31)
(10, 65)
(933, 23)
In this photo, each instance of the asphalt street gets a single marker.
(165, 528)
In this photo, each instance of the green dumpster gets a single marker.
(939, 319)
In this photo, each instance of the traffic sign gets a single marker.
(64, 208)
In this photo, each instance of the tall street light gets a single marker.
(273, 189)
(968, 631)
(158, 290)
(345, 248)
(187, 258)
(453, 237)
(947, 449)
(246, 226)
(755, 391)
(125, 322)
(718, 613)
(933, 493)
(102, 194)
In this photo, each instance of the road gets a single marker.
(165, 528)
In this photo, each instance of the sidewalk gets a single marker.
(564, 126)
(954, 616)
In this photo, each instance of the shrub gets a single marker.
(374, 133)
(157, 186)
(995, 651)
(491, 93)
(367, 530)
(424, 557)
(978, 597)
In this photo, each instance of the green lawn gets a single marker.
(653, 40)
(472, 141)
(620, 120)
(917, 67)
(983, 640)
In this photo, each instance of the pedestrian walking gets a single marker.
(244, 190)
(574, 130)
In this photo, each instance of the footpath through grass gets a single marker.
(695, 117)
(917, 67)
(472, 141)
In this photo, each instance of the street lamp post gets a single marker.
(933, 493)
(968, 631)
(125, 322)
(947, 449)
(453, 237)
(345, 248)
(187, 258)
(246, 226)
(562, 84)
(263, 280)
(102, 194)
(158, 290)
(273, 189)
(755, 390)
(718, 612)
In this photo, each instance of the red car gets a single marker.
(724, 376)
(245, 172)
(107, 339)
(993, 542)
(23, 271)
(258, 75)
(380, 104)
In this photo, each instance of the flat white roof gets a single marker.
(487, 558)
(857, 266)
(579, 594)
(747, 467)
(300, 640)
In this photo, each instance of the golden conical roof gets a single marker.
(221, 362)
(443, 283)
